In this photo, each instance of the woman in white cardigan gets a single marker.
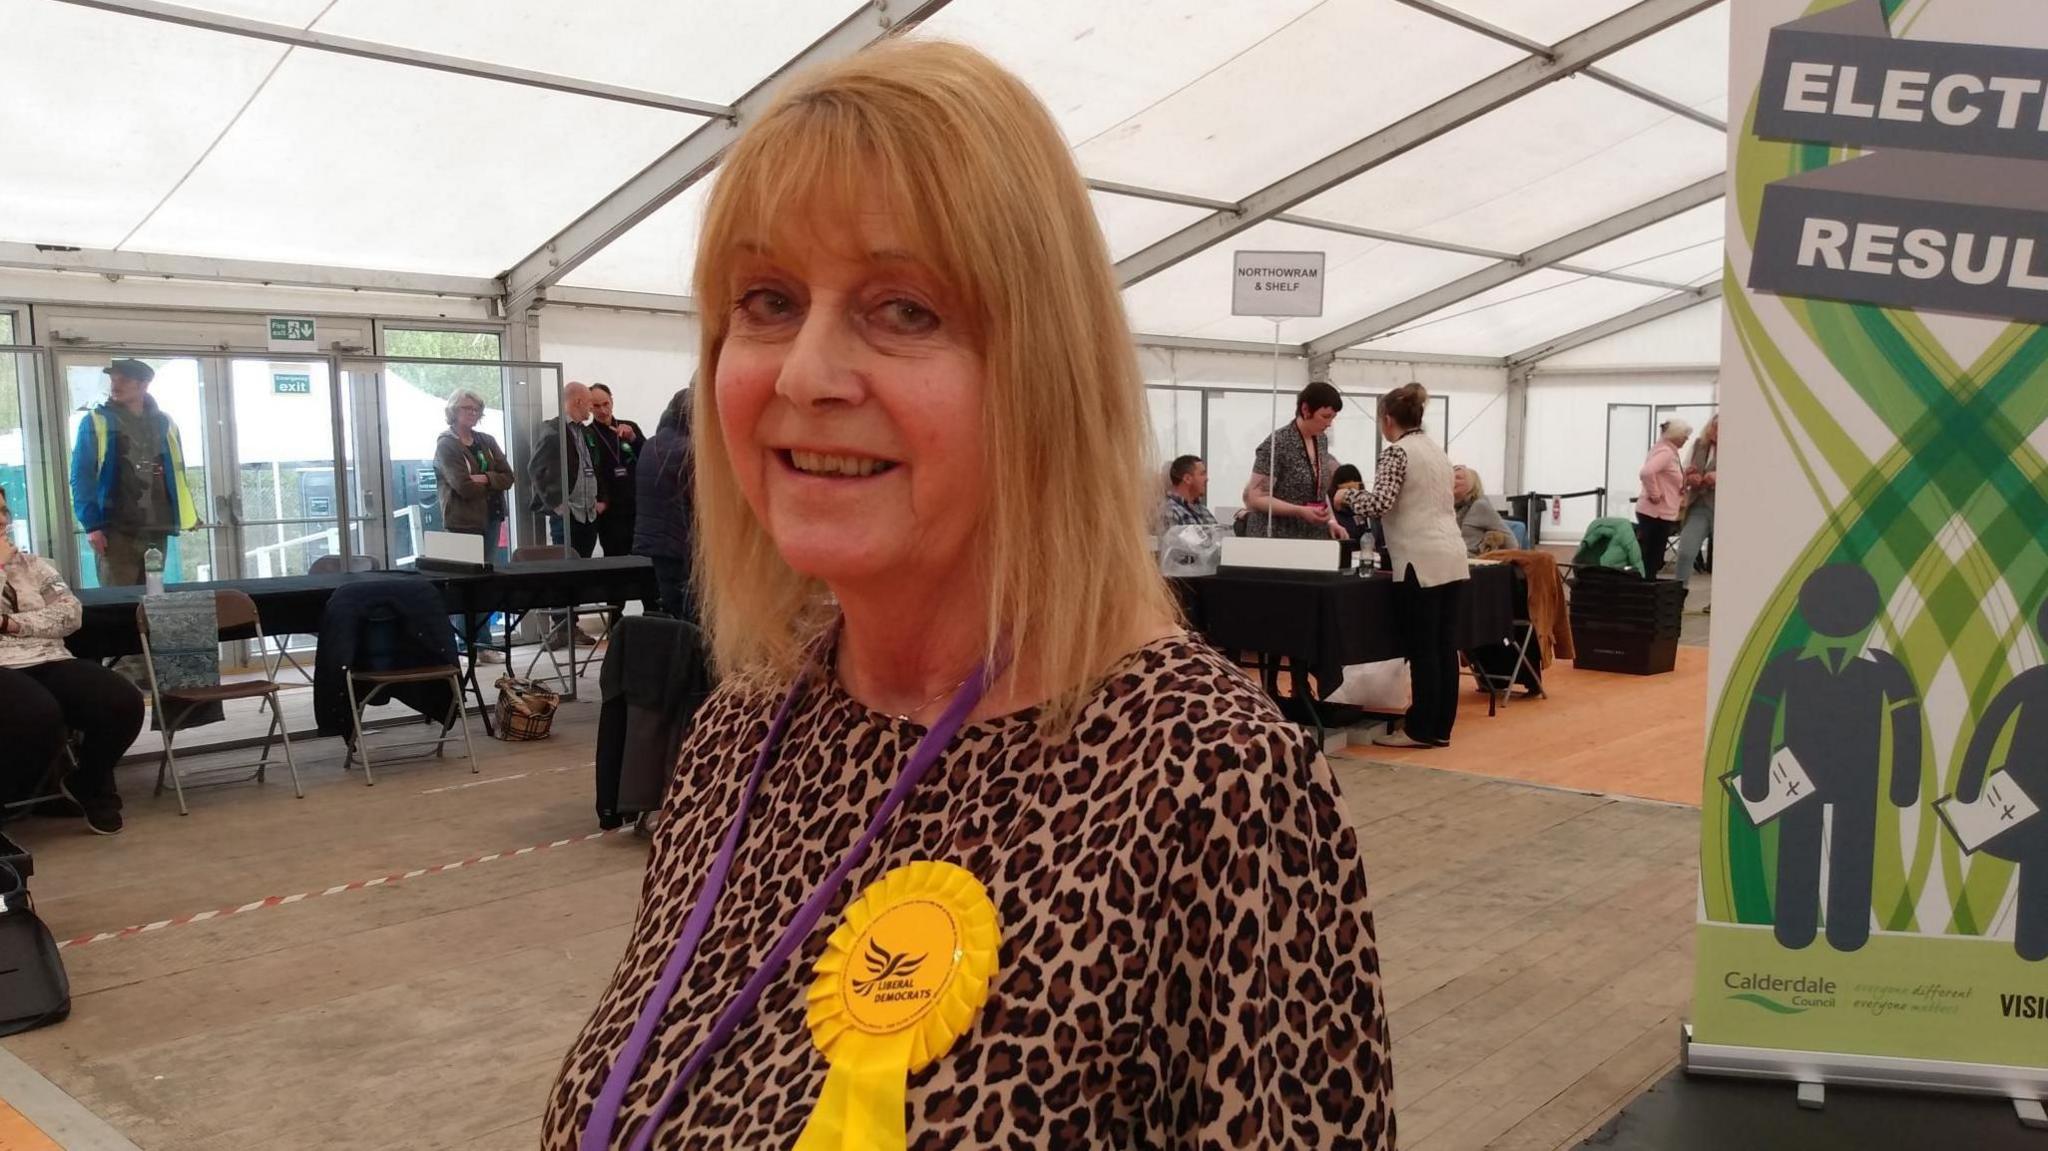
(1412, 498)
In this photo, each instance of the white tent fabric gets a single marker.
(223, 145)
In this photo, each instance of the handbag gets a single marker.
(34, 990)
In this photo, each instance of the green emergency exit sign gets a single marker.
(292, 384)
(291, 328)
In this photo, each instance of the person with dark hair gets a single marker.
(619, 446)
(664, 529)
(45, 694)
(1412, 498)
(1345, 480)
(1288, 492)
(1187, 493)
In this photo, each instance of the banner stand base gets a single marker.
(2027, 1087)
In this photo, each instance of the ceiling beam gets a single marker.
(1494, 32)
(698, 153)
(1571, 55)
(394, 54)
(1355, 356)
(1200, 344)
(1486, 279)
(150, 265)
(1636, 317)
(1164, 197)
(656, 302)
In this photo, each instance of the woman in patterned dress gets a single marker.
(1292, 470)
(920, 466)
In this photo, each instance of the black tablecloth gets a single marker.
(1327, 620)
(295, 604)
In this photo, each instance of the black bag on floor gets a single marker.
(34, 991)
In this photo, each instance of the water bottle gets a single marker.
(153, 571)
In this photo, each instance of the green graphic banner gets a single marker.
(1874, 846)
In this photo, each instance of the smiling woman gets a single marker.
(973, 846)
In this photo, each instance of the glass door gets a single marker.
(282, 510)
(137, 463)
(22, 475)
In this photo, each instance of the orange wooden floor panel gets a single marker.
(1643, 736)
(18, 1134)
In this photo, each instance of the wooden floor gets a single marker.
(1610, 734)
(1536, 945)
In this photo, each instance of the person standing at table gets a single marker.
(1411, 497)
(1701, 482)
(577, 503)
(1187, 493)
(1663, 488)
(45, 694)
(573, 504)
(474, 476)
(128, 488)
(1291, 472)
(666, 525)
(619, 447)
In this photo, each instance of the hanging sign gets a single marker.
(1277, 284)
(1873, 897)
(293, 334)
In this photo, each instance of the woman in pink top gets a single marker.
(1663, 485)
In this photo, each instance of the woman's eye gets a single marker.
(766, 306)
(907, 317)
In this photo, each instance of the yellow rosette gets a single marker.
(900, 981)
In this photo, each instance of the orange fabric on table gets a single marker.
(1548, 615)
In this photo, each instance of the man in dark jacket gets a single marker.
(577, 500)
(665, 527)
(619, 445)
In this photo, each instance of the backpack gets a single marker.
(34, 990)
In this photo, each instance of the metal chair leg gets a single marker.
(462, 716)
(170, 761)
(291, 765)
(355, 709)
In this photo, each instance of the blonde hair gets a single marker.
(1478, 491)
(987, 192)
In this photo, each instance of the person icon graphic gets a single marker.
(1829, 705)
(2022, 705)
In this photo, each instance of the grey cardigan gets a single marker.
(468, 507)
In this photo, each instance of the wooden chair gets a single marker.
(234, 612)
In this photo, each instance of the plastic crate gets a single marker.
(1624, 651)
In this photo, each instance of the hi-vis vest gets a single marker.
(92, 515)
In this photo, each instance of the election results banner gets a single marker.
(1874, 847)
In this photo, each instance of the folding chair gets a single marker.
(563, 624)
(281, 655)
(234, 612)
(49, 787)
(380, 681)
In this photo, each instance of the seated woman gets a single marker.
(45, 694)
(1356, 527)
(964, 774)
(1476, 514)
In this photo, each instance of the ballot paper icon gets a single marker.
(2000, 807)
(1790, 785)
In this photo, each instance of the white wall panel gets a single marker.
(642, 358)
(1565, 443)
(1692, 336)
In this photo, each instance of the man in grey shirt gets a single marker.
(580, 501)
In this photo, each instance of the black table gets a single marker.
(1324, 621)
(1699, 1113)
(289, 605)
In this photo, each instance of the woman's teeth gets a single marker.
(818, 464)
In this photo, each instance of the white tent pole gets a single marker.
(1273, 421)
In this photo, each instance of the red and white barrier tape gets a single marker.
(338, 889)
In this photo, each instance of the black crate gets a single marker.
(1627, 652)
(1667, 627)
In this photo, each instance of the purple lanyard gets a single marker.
(604, 1114)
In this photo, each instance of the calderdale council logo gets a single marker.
(2024, 1006)
(1778, 995)
(889, 973)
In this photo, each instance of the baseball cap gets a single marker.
(134, 369)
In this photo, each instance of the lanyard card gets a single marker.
(2000, 807)
(1790, 785)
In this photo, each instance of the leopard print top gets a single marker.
(1188, 957)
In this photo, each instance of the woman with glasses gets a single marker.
(474, 476)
